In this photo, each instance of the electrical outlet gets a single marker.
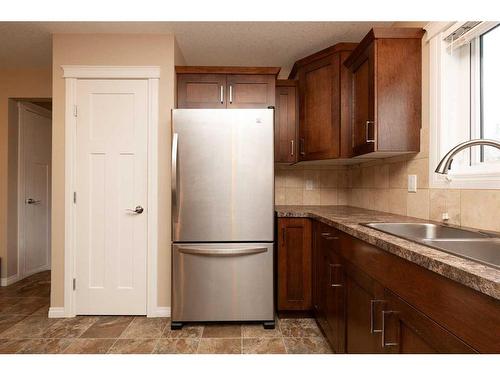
(309, 184)
(412, 183)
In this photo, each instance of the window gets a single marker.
(465, 102)
(489, 92)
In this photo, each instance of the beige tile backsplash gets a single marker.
(382, 185)
(310, 185)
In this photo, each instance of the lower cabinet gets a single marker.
(363, 304)
(406, 330)
(294, 264)
(366, 300)
(329, 286)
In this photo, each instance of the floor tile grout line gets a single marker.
(128, 325)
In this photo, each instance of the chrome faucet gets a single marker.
(445, 163)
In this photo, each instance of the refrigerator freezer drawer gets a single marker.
(222, 282)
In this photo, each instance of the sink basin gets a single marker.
(421, 231)
(484, 251)
(476, 246)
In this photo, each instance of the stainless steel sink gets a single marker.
(478, 246)
(424, 231)
(486, 251)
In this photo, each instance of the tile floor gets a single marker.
(25, 328)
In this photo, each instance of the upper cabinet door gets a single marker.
(386, 101)
(201, 91)
(319, 109)
(285, 127)
(250, 90)
(363, 120)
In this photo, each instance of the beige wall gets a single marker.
(14, 83)
(382, 185)
(113, 49)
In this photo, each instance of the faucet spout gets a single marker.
(445, 164)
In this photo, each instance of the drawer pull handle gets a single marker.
(328, 236)
(332, 277)
(384, 343)
(373, 302)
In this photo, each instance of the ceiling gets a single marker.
(29, 44)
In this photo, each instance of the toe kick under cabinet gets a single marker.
(367, 300)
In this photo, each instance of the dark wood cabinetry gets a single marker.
(294, 264)
(250, 90)
(286, 123)
(367, 300)
(324, 112)
(329, 286)
(406, 330)
(364, 304)
(225, 87)
(201, 90)
(386, 94)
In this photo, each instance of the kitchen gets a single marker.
(319, 205)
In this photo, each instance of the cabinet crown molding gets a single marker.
(384, 33)
(181, 69)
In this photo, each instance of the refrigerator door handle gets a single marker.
(175, 203)
(222, 252)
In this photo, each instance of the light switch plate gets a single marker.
(412, 183)
(309, 184)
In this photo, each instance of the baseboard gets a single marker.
(160, 312)
(6, 281)
(57, 312)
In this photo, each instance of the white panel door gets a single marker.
(111, 181)
(36, 139)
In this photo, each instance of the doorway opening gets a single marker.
(29, 199)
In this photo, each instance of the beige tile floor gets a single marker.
(25, 328)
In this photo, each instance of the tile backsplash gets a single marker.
(383, 185)
(298, 185)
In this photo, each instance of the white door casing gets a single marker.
(74, 75)
(35, 149)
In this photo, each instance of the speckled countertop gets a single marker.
(475, 275)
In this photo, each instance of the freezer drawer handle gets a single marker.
(222, 252)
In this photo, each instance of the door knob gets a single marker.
(137, 210)
(32, 201)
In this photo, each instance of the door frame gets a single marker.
(21, 193)
(71, 75)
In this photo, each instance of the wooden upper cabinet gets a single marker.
(201, 91)
(362, 130)
(250, 91)
(320, 130)
(294, 264)
(324, 112)
(225, 87)
(286, 121)
(386, 86)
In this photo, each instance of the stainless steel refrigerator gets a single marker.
(222, 215)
